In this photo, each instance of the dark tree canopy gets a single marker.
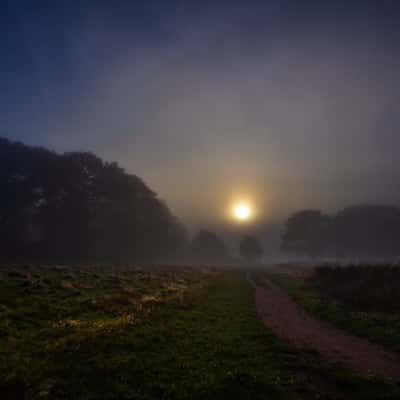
(306, 232)
(357, 231)
(250, 248)
(207, 246)
(74, 206)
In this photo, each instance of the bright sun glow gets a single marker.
(241, 211)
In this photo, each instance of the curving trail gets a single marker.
(292, 323)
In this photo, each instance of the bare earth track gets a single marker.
(292, 323)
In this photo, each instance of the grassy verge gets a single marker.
(378, 327)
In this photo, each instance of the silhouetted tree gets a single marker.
(75, 206)
(307, 232)
(206, 246)
(357, 231)
(250, 248)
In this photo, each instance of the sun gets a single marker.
(242, 211)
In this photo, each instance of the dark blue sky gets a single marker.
(291, 104)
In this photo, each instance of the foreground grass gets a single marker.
(55, 320)
(203, 343)
(377, 326)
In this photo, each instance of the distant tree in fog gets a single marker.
(250, 248)
(370, 231)
(207, 246)
(306, 232)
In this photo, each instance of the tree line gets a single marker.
(358, 231)
(74, 207)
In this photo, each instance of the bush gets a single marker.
(368, 287)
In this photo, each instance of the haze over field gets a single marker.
(288, 104)
(199, 200)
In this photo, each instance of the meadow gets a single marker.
(152, 333)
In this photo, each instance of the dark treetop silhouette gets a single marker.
(358, 231)
(74, 206)
(250, 248)
(208, 247)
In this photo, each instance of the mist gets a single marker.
(293, 112)
(199, 200)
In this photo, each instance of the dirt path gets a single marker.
(292, 323)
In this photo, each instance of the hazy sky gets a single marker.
(291, 104)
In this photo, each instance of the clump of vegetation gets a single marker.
(369, 288)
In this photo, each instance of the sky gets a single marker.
(288, 104)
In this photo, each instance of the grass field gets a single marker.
(174, 333)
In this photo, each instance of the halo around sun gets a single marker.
(241, 211)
